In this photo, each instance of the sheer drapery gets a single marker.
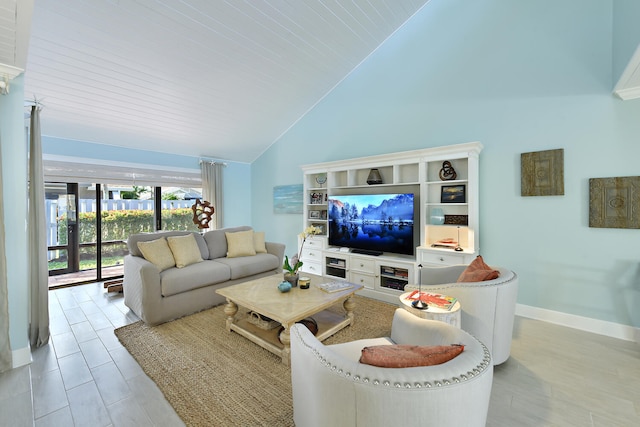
(39, 274)
(212, 189)
(6, 362)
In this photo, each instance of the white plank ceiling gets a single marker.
(220, 79)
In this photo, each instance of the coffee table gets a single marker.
(263, 297)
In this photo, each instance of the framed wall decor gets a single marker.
(453, 194)
(614, 202)
(287, 199)
(316, 198)
(542, 173)
(314, 214)
(456, 219)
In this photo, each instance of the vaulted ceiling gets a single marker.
(212, 78)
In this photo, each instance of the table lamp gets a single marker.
(419, 304)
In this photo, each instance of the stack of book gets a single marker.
(433, 300)
(445, 244)
(335, 286)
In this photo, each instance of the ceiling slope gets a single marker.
(221, 79)
(628, 87)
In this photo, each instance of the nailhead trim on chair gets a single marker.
(486, 361)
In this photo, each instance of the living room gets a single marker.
(517, 76)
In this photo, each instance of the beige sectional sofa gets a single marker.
(158, 292)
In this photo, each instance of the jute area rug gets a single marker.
(212, 377)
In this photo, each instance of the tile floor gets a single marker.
(556, 376)
(84, 376)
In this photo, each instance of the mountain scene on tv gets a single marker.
(380, 222)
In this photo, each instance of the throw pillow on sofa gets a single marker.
(185, 250)
(240, 244)
(158, 253)
(478, 271)
(259, 242)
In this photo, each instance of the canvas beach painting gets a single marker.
(287, 199)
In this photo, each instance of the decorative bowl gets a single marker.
(284, 287)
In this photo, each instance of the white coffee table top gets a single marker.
(262, 295)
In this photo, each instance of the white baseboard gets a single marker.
(21, 357)
(601, 327)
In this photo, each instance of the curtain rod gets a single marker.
(34, 102)
(212, 161)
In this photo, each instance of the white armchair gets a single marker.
(488, 308)
(331, 387)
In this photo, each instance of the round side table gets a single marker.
(452, 317)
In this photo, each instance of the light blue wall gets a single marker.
(82, 149)
(237, 187)
(519, 77)
(237, 194)
(14, 188)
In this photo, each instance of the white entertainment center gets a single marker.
(421, 172)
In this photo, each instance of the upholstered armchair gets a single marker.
(488, 307)
(332, 388)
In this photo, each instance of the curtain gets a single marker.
(212, 189)
(6, 362)
(39, 274)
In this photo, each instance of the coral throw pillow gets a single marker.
(478, 271)
(409, 356)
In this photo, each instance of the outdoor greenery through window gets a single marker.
(73, 223)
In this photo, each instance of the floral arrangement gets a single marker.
(295, 264)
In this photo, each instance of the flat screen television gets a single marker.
(372, 223)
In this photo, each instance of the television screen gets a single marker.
(373, 223)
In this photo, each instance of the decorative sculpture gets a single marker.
(447, 173)
(202, 213)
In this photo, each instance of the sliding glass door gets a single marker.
(71, 245)
(124, 210)
(88, 224)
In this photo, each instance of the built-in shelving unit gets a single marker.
(316, 194)
(418, 172)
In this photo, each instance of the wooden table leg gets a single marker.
(230, 310)
(349, 304)
(285, 339)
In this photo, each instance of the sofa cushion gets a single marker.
(259, 242)
(216, 241)
(158, 253)
(409, 356)
(177, 280)
(240, 244)
(185, 250)
(247, 266)
(478, 271)
(132, 241)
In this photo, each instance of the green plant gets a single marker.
(295, 264)
(135, 194)
(120, 224)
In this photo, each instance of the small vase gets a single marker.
(291, 278)
(284, 287)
